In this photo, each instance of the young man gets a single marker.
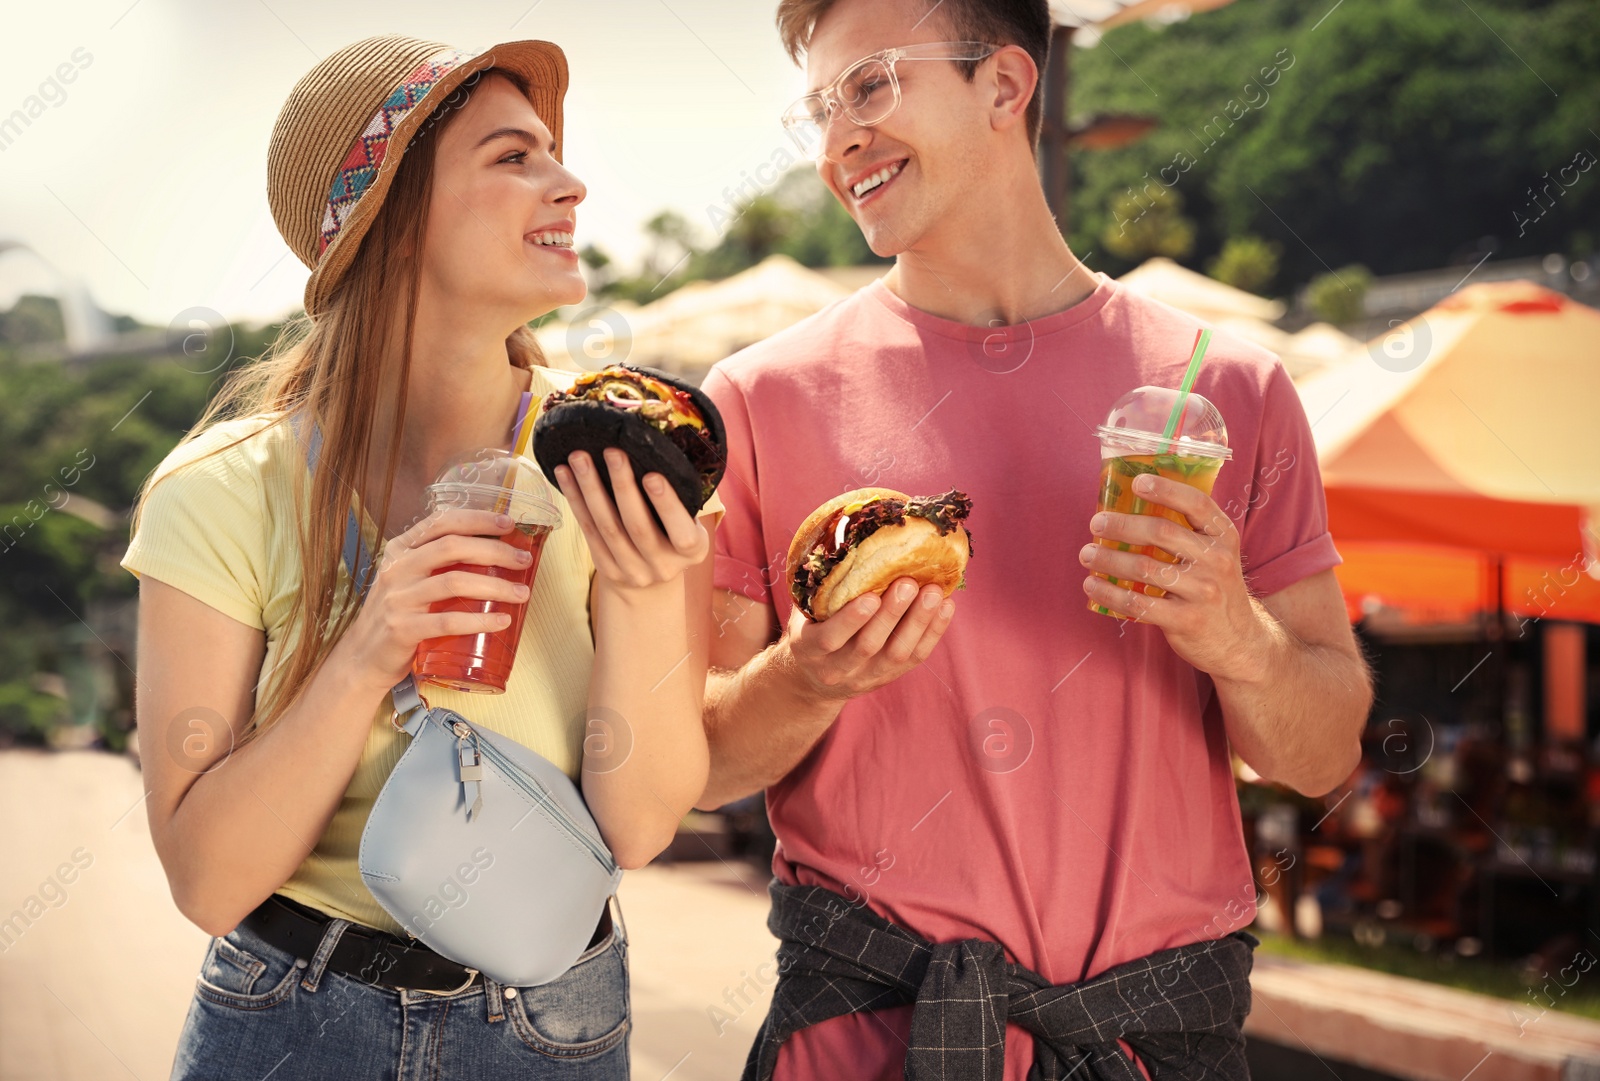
(1050, 783)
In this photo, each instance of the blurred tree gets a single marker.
(797, 217)
(1147, 224)
(761, 227)
(32, 320)
(1340, 296)
(1246, 262)
(827, 235)
(671, 237)
(1393, 133)
(27, 714)
(602, 272)
(94, 430)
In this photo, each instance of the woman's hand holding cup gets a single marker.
(396, 615)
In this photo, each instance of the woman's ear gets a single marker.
(1015, 77)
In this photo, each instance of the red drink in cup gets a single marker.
(499, 481)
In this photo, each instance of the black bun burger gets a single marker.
(663, 424)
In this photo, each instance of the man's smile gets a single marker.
(870, 183)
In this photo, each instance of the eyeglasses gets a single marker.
(868, 91)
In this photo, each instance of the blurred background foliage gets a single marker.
(797, 217)
(1398, 134)
(78, 439)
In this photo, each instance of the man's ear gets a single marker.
(1015, 76)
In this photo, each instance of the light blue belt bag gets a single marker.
(477, 846)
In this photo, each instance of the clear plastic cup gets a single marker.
(1132, 442)
(497, 480)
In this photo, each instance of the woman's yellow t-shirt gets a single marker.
(221, 527)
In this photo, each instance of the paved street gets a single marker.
(97, 986)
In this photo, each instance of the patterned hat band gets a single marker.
(360, 166)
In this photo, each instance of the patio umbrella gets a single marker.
(1244, 314)
(691, 328)
(1210, 299)
(1458, 456)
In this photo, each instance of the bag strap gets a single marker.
(409, 708)
(357, 559)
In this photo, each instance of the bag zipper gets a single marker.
(513, 773)
(469, 766)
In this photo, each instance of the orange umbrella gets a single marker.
(1459, 460)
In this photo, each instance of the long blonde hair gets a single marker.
(343, 367)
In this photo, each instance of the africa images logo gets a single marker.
(52, 93)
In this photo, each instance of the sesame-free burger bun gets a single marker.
(913, 548)
(810, 530)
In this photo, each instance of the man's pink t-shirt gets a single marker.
(1051, 779)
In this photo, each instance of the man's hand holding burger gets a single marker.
(869, 642)
(862, 556)
(871, 573)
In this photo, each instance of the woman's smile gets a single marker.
(555, 239)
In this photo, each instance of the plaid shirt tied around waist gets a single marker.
(1180, 1009)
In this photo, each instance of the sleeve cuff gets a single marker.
(1310, 558)
(230, 606)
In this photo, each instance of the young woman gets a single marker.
(424, 188)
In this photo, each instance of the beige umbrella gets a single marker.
(1243, 314)
(1104, 14)
(692, 328)
(1197, 294)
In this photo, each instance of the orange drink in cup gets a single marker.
(1137, 438)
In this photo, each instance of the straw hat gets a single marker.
(340, 137)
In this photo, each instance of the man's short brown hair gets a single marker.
(1000, 22)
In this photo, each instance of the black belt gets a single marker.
(365, 953)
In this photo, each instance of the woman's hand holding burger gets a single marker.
(629, 550)
(625, 422)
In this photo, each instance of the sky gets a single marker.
(145, 175)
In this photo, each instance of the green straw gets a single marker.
(1201, 341)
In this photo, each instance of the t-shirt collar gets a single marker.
(1085, 309)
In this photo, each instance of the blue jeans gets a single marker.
(259, 1010)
